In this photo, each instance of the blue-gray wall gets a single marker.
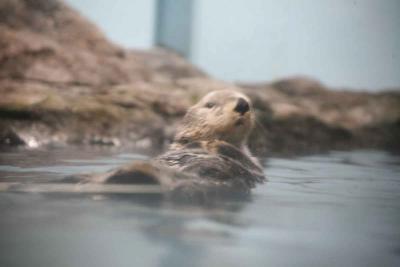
(344, 43)
(174, 25)
(130, 23)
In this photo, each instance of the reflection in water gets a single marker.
(185, 240)
(338, 209)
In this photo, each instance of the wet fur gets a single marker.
(209, 153)
(217, 123)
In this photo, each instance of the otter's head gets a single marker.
(220, 115)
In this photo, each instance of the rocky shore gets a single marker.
(63, 82)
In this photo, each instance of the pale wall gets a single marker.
(342, 42)
(130, 23)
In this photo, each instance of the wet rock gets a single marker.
(10, 138)
(62, 81)
(304, 116)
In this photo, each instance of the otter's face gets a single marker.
(220, 115)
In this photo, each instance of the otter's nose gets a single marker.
(242, 106)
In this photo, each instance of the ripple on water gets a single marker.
(335, 209)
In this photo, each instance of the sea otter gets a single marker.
(208, 152)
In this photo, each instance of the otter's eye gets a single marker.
(209, 105)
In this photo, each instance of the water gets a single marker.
(337, 209)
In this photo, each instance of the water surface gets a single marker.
(336, 209)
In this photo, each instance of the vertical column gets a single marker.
(174, 25)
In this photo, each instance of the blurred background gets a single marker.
(344, 44)
(72, 102)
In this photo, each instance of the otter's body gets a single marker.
(216, 160)
(209, 151)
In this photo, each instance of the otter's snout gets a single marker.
(242, 106)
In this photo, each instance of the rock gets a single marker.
(9, 138)
(304, 116)
(62, 81)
